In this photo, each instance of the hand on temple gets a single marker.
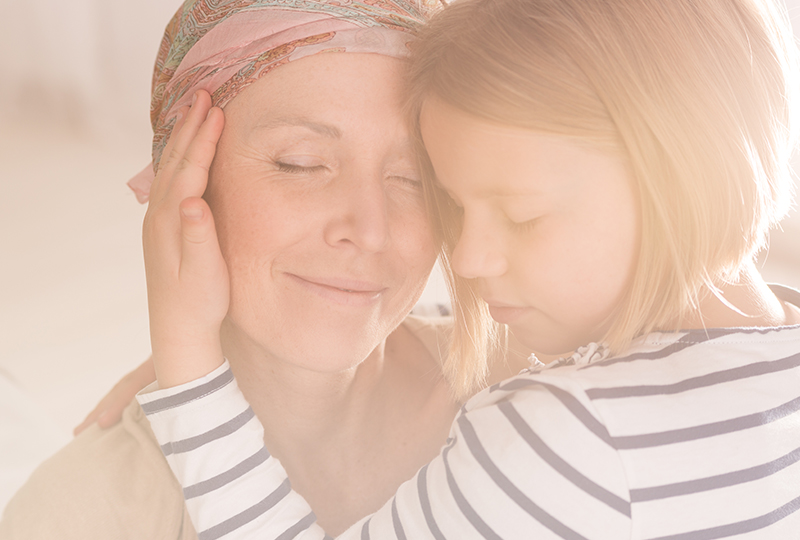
(187, 278)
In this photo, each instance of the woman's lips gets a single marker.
(507, 314)
(343, 291)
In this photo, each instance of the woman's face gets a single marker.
(318, 205)
(550, 227)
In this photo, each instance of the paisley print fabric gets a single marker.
(223, 46)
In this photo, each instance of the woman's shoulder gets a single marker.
(105, 483)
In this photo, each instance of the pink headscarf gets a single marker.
(223, 46)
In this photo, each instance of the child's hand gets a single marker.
(187, 279)
(109, 411)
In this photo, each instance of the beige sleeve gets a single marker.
(105, 484)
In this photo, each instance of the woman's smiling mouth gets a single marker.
(342, 291)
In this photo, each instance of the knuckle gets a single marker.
(174, 156)
(198, 236)
(153, 219)
(189, 164)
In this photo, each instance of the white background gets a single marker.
(74, 126)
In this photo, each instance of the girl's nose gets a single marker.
(479, 251)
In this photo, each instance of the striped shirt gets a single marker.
(688, 436)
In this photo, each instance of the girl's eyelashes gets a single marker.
(524, 226)
(407, 181)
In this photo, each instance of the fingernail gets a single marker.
(194, 98)
(192, 213)
(178, 116)
(209, 113)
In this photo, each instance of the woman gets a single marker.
(607, 170)
(316, 197)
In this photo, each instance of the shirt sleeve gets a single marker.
(525, 459)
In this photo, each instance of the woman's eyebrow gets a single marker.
(326, 130)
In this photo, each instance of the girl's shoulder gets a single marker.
(656, 363)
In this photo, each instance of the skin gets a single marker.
(350, 412)
(315, 189)
(549, 227)
(550, 233)
(308, 249)
(348, 436)
(109, 410)
(534, 183)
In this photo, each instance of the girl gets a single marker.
(605, 172)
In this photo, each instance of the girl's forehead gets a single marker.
(497, 160)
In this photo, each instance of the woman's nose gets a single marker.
(360, 216)
(479, 250)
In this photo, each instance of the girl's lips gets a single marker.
(341, 291)
(507, 314)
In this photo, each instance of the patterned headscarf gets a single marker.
(223, 46)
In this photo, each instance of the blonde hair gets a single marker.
(698, 96)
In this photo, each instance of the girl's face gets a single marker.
(550, 226)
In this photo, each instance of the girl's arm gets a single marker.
(188, 288)
(187, 279)
(504, 473)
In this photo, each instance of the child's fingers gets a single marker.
(88, 421)
(190, 176)
(107, 413)
(200, 253)
(180, 120)
(155, 189)
(109, 418)
(196, 115)
(179, 141)
(109, 410)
